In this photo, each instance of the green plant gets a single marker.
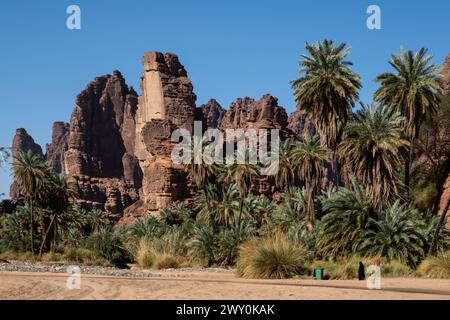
(347, 216)
(414, 90)
(327, 89)
(203, 245)
(270, 258)
(374, 148)
(397, 234)
(108, 245)
(436, 266)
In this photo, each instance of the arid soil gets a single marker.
(211, 285)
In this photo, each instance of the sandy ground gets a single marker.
(209, 286)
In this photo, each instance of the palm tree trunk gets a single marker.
(433, 245)
(408, 165)
(241, 206)
(211, 215)
(310, 212)
(336, 170)
(44, 239)
(30, 203)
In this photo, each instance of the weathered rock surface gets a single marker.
(300, 125)
(212, 113)
(54, 154)
(257, 114)
(167, 103)
(22, 142)
(446, 75)
(100, 155)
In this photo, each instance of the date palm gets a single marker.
(58, 195)
(307, 157)
(30, 173)
(284, 176)
(374, 148)
(200, 172)
(326, 91)
(413, 90)
(242, 175)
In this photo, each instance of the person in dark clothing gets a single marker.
(361, 273)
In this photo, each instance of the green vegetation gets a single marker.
(375, 216)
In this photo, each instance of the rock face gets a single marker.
(300, 125)
(100, 152)
(212, 113)
(167, 103)
(54, 154)
(261, 114)
(22, 142)
(446, 75)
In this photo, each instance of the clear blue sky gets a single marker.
(229, 48)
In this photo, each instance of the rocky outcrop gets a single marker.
(167, 103)
(22, 142)
(257, 114)
(54, 153)
(212, 113)
(100, 153)
(446, 75)
(300, 125)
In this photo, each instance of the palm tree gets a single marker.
(59, 195)
(224, 203)
(30, 173)
(307, 157)
(347, 215)
(326, 91)
(200, 172)
(373, 148)
(241, 175)
(413, 90)
(396, 235)
(285, 174)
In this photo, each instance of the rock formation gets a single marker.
(212, 113)
(22, 142)
(54, 153)
(100, 153)
(257, 114)
(167, 103)
(300, 125)
(446, 75)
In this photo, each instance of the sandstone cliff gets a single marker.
(22, 142)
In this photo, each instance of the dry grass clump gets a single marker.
(436, 267)
(270, 258)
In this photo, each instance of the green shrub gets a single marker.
(203, 245)
(107, 245)
(436, 267)
(395, 268)
(270, 258)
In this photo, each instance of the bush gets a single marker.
(270, 258)
(436, 267)
(395, 268)
(52, 257)
(167, 261)
(203, 245)
(143, 254)
(107, 245)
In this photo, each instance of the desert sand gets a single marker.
(210, 286)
